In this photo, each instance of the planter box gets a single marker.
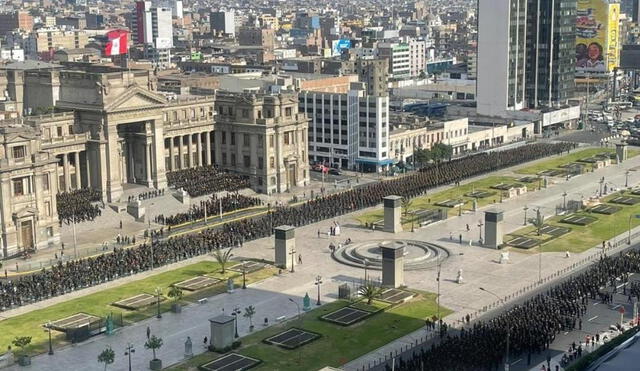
(176, 308)
(24, 360)
(155, 364)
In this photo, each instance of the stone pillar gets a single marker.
(217, 138)
(493, 228)
(180, 156)
(621, 152)
(392, 214)
(131, 174)
(199, 148)
(67, 175)
(77, 160)
(189, 151)
(285, 245)
(147, 155)
(222, 331)
(392, 264)
(208, 143)
(172, 163)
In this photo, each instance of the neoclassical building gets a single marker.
(115, 129)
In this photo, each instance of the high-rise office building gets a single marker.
(501, 56)
(152, 27)
(375, 74)
(223, 22)
(551, 52)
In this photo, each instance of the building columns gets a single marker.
(208, 143)
(199, 148)
(180, 156)
(67, 176)
(88, 170)
(147, 155)
(172, 161)
(77, 161)
(131, 174)
(190, 150)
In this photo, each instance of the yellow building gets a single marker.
(597, 36)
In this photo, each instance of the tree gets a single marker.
(369, 291)
(406, 204)
(441, 151)
(153, 343)
(421, 156)
(538, 222)
(22, 342)
(107, 357)
(249, 312)
(222, 257)
(175, 293)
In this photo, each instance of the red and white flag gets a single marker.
(117, 43)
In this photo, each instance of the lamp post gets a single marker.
(438, 297)
(480, 224)
(525, 208)
(48, 325)
(506, 363)
(564, 200)
(235, 313)
(293, 260)
(128, 352)
(244, 275)
(298, 306)
(318, 283)
(158, 293)
(601, 184)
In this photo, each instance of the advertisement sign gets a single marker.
(339, 45)
(597, 48)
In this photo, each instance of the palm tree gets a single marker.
(406, 204)
(369, 291)
(249, 312)
(222, 257)
(107, 357)
(153, 343)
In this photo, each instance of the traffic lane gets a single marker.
(329, 178)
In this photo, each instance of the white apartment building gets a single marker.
(351, 130)
(399, 55)
(152, 27)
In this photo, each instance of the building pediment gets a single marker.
(135, 99)
(26, 212)
(18, 137)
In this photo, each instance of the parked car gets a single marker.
(335, 171)
(317, 167)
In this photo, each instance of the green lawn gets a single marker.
(557, 161)
(428, 201)
(99, 304)
(582, 238)
(338, 344)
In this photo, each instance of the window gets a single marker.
(233, 139)
(260, 163)
(230, 111)
(71, 132)
(18, 187)
(246, 140)
(287, 111)
(223, 134)
(271, 141)
(175, 115)
(247, 161)
(272, 162)
(233, 159)
(18, 152)
(45, 182)
(59, 130)
(260, 143)
(193, 113)
(286, 138)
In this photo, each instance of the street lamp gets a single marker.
(48, 326)
(525, 208)
(318, 283)
(366, 264)
(235, 313)
(158, 293)
(480, 224)
(506, 363)
(298, 306)
(128, 352)
(244, 275)
(438, 297)
(626, 179)
(564, 200)
(293, 260)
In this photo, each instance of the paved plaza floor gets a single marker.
(270, 298)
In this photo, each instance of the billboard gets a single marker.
(597, 36)
(339, 45)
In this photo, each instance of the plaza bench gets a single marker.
(203, 301)
(281, 318)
